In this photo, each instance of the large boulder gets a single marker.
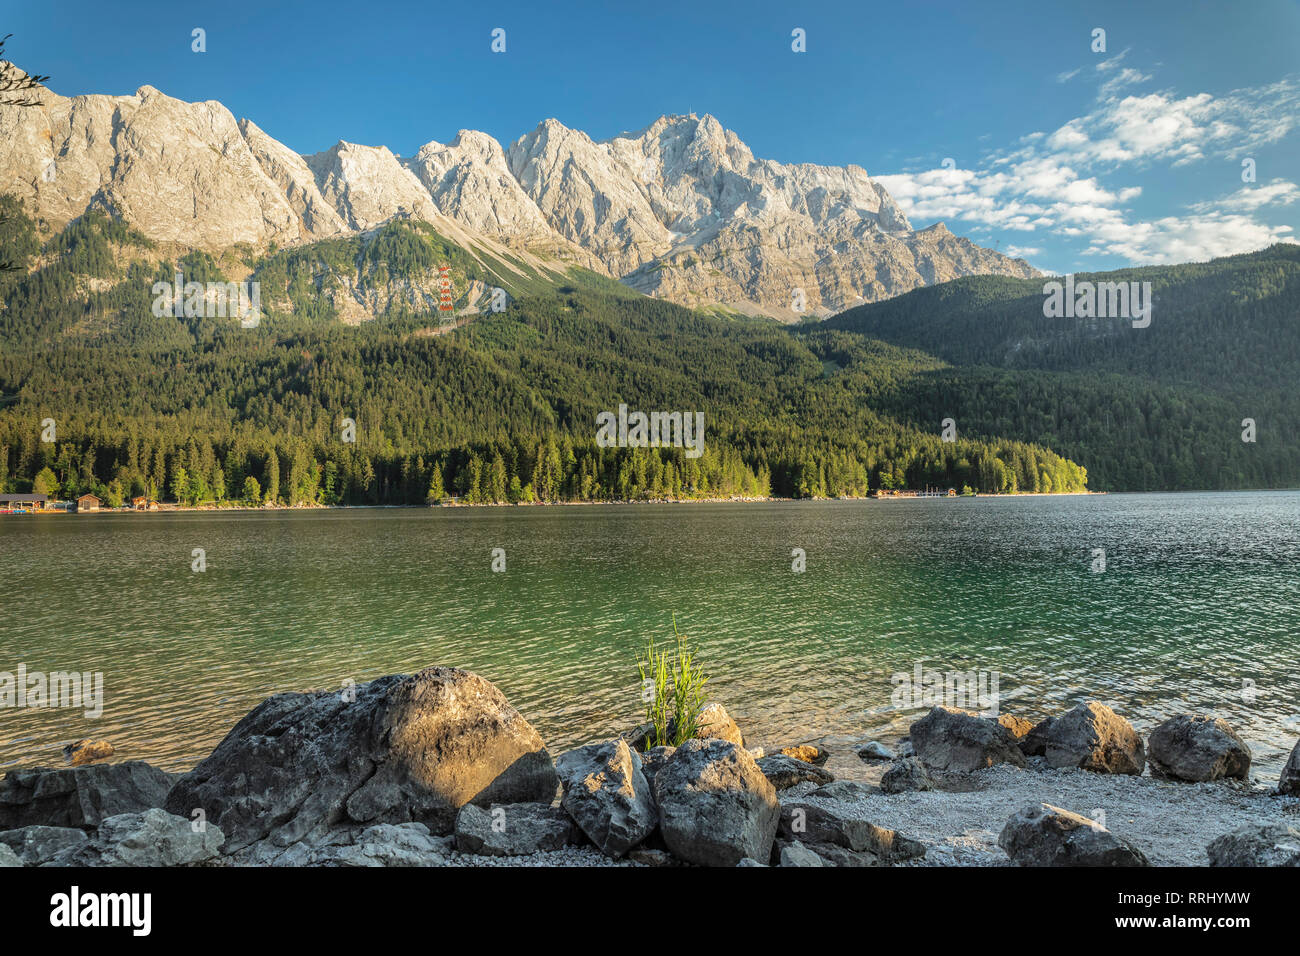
(815, 822)
(80, 796)
(1094, 737)
(8, 857)
(608, 796)
(1044, 835)
(35, 845)
(962, 740)
(784, 772)
(716, 807)
(398, 749)
(1276, 844)
(152, 838)
(517, 829)
(1289, 783)
(1197, 749)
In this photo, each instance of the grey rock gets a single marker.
(607, 794)
(875, 750)
(36, 844)
(80, 796)
(833, 855)
(514, 829)
(401, 749)
(383, 845)
(795, 853)
(961, 740)
(848, 791)
(152, 838)
(905, 775)
(715, 805)
(1197, 749)
(648, 857)
(1044, 835)
(652, 761)
(1289, 782)
(816, 822)
(1034, 743)
(1094, 737)
(8, 857)
(750, 861)
(1253, 845)
(784, 772)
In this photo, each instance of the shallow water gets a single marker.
(1200, 597)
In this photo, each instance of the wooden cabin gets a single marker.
(142, 503)
(88, 503)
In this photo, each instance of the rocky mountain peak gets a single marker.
(681, 209)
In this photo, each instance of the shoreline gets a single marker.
(737, 499)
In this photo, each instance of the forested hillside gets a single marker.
(502, 408)
(1149, 408)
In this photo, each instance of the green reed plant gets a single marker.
(675, 681)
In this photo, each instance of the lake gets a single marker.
(1198, 609)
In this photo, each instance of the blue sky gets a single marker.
(1075, 159)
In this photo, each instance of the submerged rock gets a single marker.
(1044, 835)
(962, 740)
(396, 750)
(875, 750)
(808, 753)
(716, 807)
(608, 795)
(88, 751)
(80, 796)
(1094, 737)
(1197, 749)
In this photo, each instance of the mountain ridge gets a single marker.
(681, 210)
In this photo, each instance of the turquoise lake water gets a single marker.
(1198, 609)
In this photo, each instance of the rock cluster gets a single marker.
(431, 768)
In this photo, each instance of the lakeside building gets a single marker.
(88, 503)
(13, 503)
(141, 503)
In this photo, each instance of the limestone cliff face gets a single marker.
(681, 210)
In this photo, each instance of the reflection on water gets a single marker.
(1198, 600)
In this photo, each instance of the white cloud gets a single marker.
(1053, 180)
